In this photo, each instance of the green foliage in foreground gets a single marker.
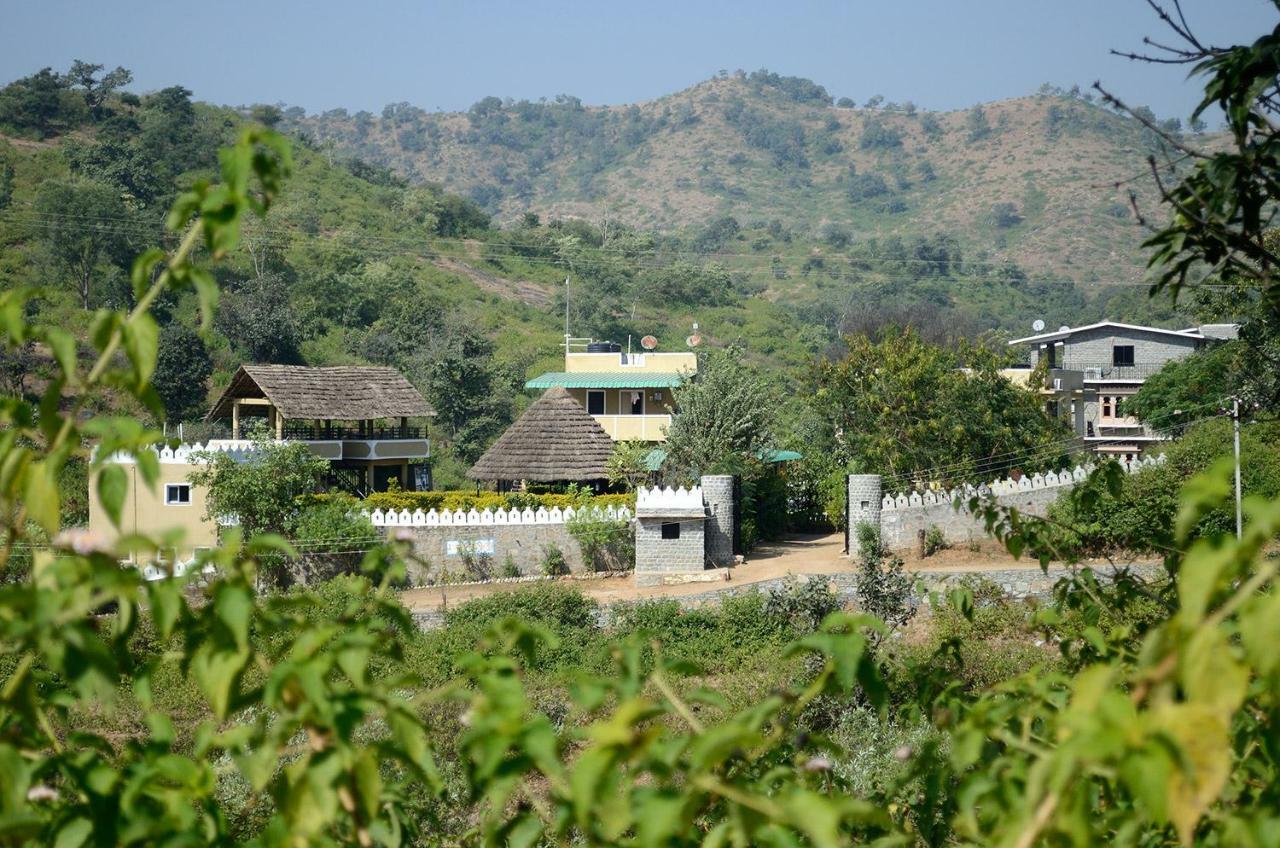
(1139, 515)
(1148, 735)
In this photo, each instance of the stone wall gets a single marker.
(903, 516)
(443, 548)
(660, 560)
(900, 528)
(717, 493)
(1017, 583)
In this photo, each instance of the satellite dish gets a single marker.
(1037, 325)
(649, 342)
(694, 340)
(1064, 328)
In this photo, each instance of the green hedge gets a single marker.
(464, 500)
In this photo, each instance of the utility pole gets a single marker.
(1235, 426)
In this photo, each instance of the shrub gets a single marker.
(509, 567)
(800, 606)
(478, 566)
(935, 540)
(606, 545)
(884, 590)
(553, 561)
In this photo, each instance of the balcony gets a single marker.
(1093, 372)
(339, 442)
(645, 428)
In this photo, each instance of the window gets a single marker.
(633, 403)
(595, 403)
(177, 494)
(671, 529)
(1106, 406)
(1122, 356)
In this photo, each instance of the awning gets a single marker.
(605, 380)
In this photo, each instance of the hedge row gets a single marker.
(464, 500)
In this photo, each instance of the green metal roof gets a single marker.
(654, 459)
(605, 380)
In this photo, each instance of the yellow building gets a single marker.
(370, 424)
(174, 505)
(629, 394)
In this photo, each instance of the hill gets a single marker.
(1030, 180)
(358, 264)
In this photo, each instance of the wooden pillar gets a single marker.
(279, 426)
(235, 418)
(404, 475)
(404, 427)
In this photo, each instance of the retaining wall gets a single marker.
(1017, 583)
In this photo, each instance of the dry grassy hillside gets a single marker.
(1034, 182)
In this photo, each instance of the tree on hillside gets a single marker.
(899, 406)
(96, 90)
(259, 320)
(41, 102)
(724, 417)
(84, 226)
(183, 368)
(472, 393)
(977, 124)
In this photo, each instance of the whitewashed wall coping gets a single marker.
(1008, 486)
(500, 516)
(662, 503)
(240, 450)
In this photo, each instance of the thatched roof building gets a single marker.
(344, 393)
(554, 441)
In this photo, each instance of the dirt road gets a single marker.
(799, 554)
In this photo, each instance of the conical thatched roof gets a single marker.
(555, 440)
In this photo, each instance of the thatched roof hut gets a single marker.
(554, 441)
(343, 393)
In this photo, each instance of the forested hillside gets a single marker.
(360, 264)
(1030, 180)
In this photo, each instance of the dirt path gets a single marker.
(799, 554)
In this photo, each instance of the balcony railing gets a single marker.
(647, 428)
(1108, 371)
(337, 432)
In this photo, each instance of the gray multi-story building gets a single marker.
(1092, 370)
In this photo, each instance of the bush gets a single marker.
(606, 545)
(935, 540)
(884, 590)
(800, 606)
(1140, 517)
(553, 561)
(509, 567)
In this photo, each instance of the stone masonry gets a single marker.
(717, 494)
(865, 493)
(901, 518)
(670, 535)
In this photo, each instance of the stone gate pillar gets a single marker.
(865, 493)
(717, 493)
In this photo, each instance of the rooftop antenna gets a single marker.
(566, 314)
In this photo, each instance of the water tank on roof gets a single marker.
(604, 347)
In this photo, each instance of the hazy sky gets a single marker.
(321, 54)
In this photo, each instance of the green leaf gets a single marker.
(40, 495)
(73, 834)
(141, 337)
(217, 672)
(63, 346)
(113, 486)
